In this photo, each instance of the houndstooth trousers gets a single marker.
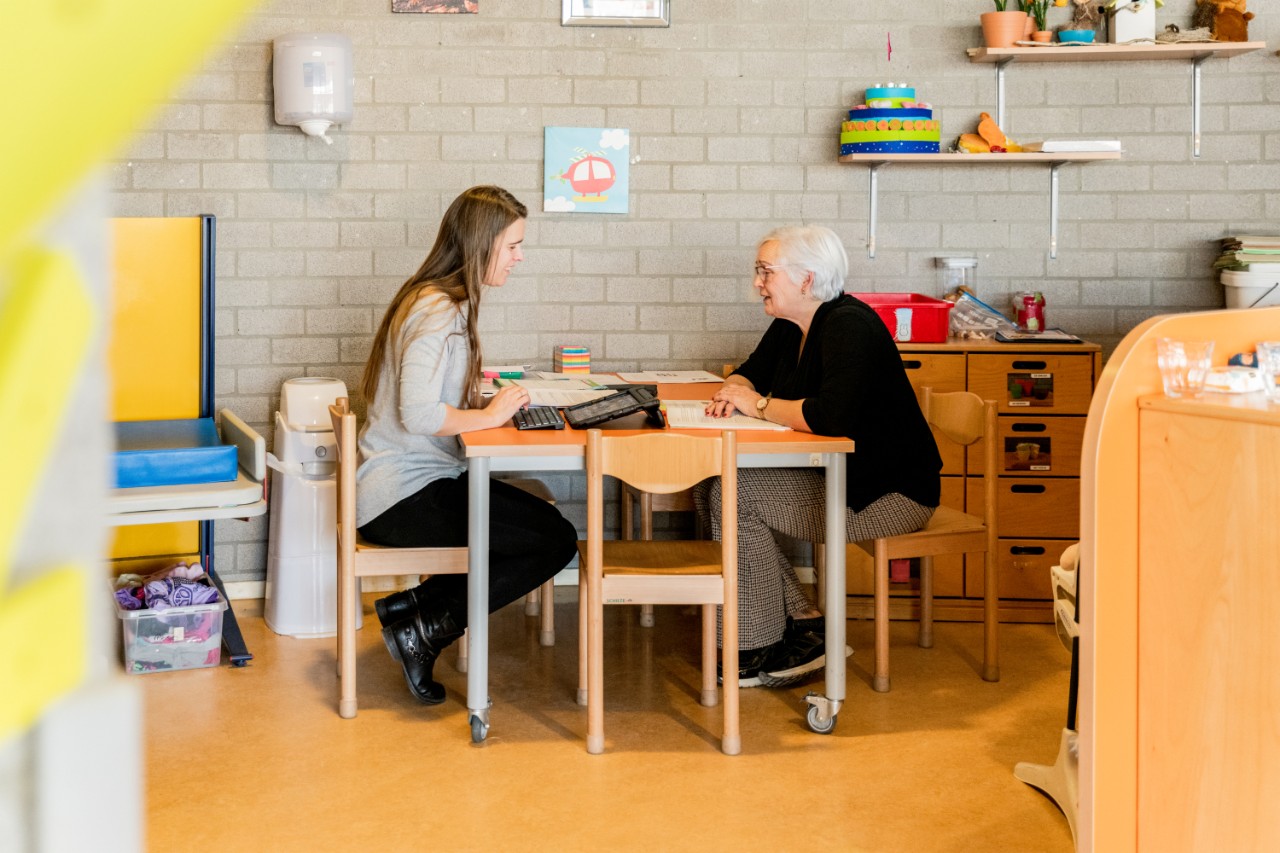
(791, 501)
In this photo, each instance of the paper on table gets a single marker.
(556, 397)
(575, 384)
(691, 414)
(597, 378)
(674, 376)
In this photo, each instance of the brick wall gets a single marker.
(733, 114)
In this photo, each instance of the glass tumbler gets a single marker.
(1269, 367)
(1184, 366)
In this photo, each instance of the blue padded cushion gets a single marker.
(172, 453)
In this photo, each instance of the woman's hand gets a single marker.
(506, 403)
(731, 396)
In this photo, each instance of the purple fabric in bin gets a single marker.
(129, 598)
(178, 592)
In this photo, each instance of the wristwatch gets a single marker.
(762, 404)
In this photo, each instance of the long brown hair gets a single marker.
(454, 269)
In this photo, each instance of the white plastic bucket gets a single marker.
(1251, 289)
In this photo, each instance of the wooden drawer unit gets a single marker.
(1022, 569)
(1043, 393)
(1035, 447)
(1032, 506)
(1034, 384)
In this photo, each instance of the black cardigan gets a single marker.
(852, 382)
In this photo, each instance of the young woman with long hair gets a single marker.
(422, 387)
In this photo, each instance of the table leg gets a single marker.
(823, 709)
(478, 597)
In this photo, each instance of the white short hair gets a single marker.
(816, 249)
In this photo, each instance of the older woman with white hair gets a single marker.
(826, 365)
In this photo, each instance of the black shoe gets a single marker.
(415, 642)
(397, 606)
(749, 662)
(800, 655)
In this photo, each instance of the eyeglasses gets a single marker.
(765, 271)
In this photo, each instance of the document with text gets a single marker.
(691, 414)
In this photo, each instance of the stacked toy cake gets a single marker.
(891, 121)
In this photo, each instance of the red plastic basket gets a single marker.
(911, 317)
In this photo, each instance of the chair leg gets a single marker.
(731, 743)
(532, 604)
(711, 696)
(582, 637)
(548, 595)
(926, 603)
(595, 670)
(991, 621)
(819, 567)
(880, 678)
(347, 604)
(646, 533)
(462, 652)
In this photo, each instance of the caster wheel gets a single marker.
(822, 728)
(479, 730)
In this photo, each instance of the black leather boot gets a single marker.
(397, 606)
(415, 642)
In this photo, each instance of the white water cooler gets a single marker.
(302, 559)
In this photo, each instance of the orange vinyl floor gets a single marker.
(257, 758)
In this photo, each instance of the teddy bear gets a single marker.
(1226, 18)
(1231, 25)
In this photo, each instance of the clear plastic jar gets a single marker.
(956, 272)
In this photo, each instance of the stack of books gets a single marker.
(571, 359)
(1250, 253)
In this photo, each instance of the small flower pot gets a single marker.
(1044, 36)
(1002, 29)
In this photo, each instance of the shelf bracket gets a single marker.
(1053, 209)
(1195, 104)
(1000, 91)
(872, 184)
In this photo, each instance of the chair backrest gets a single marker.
(662, 462)
(959, 415)
(966, 418)
(344, 434)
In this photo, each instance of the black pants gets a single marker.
(529, 540)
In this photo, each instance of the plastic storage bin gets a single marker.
(1250, 289)
(911, 317)
(177, 638)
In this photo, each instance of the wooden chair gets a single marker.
(629, 497)
(965, 418)
(358, 558)
(663, 572)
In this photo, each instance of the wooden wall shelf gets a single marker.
(1197, 52)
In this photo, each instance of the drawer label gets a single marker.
(1032, 390)
(1023, 454)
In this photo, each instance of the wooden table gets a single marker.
(509, 449)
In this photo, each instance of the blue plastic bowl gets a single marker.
(1080, 36)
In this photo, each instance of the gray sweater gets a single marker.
(422, 371)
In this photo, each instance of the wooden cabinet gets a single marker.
(1179, 580)
(1043, 392)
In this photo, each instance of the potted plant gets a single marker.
(1003, 27)
(1039, 12)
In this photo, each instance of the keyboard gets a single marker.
(538, 417)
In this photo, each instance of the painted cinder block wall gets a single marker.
(733, 113)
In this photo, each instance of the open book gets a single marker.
(691, 414)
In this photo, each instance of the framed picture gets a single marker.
(616, 13)
(437, 7)
(587, 169)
